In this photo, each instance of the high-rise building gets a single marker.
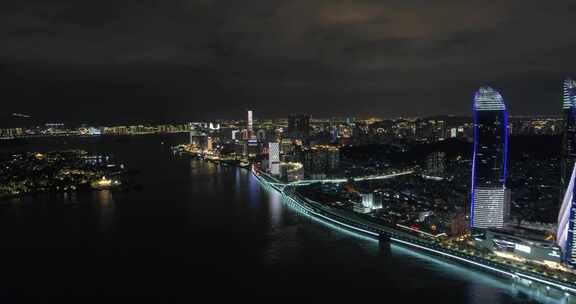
(320, 161)
(568, 152)
(261, 135)
(367, 199)
(436, 164)
(195, 136)
(490, 198)
(235, 135)
(250, 125)
(333, 158)
(286, 146)
(378, 199)
(299, 126)
(209, 144)
(192, 135)
(565, 236)
(274, 158)
(422, 129)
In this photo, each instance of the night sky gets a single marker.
(113, 61)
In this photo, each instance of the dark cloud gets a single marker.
(190, 59)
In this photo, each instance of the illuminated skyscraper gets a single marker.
(261, 135)
(274, 158)
(250, 125)
(209, 144)
(235, 135)
(490, 198)
(568, 152)
(565, 236)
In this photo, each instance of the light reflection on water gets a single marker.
(275, 211)
(487, 288)
(107, 210)
(254, 191)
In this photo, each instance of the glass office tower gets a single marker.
(568, 152)
(567, 216)
(490, 198)
(565, 234)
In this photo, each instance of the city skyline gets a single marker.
(14, 120)
(283, 156)
(396, 149)
(35, 117)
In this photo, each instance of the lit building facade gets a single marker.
(274, 158)
(367, 199)
(291, 172)
(568, 152)
(261, 135)
(320, 161)
(235, 135)
(250, 126)
(436, 164)
(490, 198)
(209, 144)
(521, 245)
(565, 236)
(194, 134)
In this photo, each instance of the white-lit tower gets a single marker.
(274, 158)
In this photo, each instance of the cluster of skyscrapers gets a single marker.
(490, 198)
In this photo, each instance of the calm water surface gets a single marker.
(196, 228)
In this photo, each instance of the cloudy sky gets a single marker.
(110, 61)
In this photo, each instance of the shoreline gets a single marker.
(381, 233)
(87, 189)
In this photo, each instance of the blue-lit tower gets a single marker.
(568, 151)
(565, 233)
(490, 198)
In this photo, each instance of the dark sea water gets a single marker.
(197, 229)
